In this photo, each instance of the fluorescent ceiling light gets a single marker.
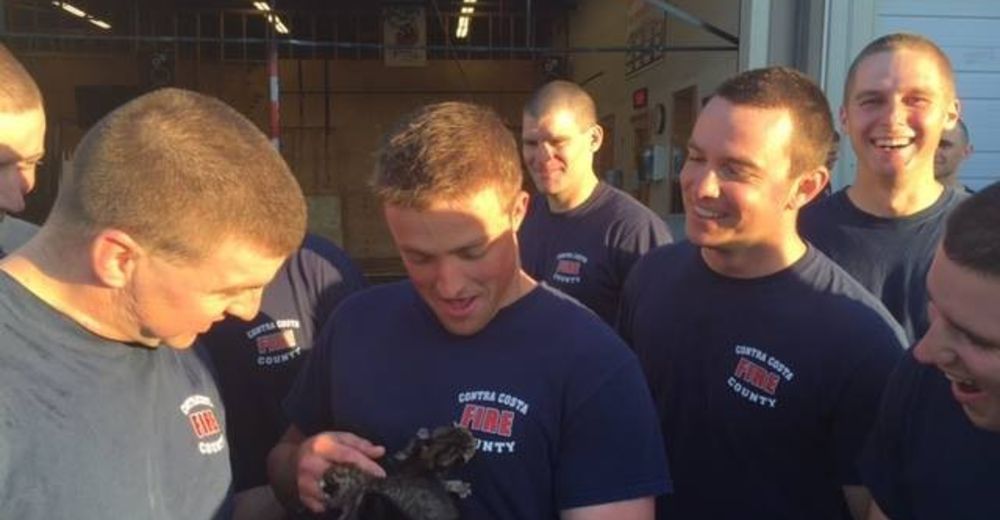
(73, 10)
(280, 26)
(262, 6)
(463, 27)
(100, 23)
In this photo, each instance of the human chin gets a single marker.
(180, 341)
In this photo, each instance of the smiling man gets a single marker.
(22, 145)
(899, 98)
(176, 213)
(765, 359)
(935, 449)
(562, 417)
(580, 235)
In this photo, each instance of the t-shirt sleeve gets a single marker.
(611, 448)
(860, 394)
(882, 457)
(331, 275)
(308, 404)
(631, 240)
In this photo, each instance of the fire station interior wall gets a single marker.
(332, 115)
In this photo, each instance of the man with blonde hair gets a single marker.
(562, 417)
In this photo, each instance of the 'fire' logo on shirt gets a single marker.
(491, 416)
(276, 341)
(569, 267)
(205, 425)
(757, 376)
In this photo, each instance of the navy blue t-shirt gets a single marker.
(93, 428)
(925, 459)
(556, 401)
(889, 256)
(256, 361)
(587, 252)
(766, 387)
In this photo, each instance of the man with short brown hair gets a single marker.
(765, 359)
(561, 415)
(177, 212)
(935, 449)
(899, 98)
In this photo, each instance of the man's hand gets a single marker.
(320, 451)
(296, 464)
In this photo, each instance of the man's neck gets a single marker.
(572, 199)
(45, 273)
(894, 196)
(755, 261)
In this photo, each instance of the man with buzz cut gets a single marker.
(953, 149)
(562, 416)
(580, 235)
(899, 98)
(935, 449)
(765, 359)
(22, 145)
(176, 213)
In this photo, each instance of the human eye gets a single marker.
(472, 253)
(415, 258)
(869, 101)
(694, 157)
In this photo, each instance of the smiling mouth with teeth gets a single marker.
(893, 143)
(965, 385)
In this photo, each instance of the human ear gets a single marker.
(596, 137)
(519, 209)
(113, 257)
(808, 186)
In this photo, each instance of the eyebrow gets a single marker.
(975, 338)
(479, 242)
(747, 163)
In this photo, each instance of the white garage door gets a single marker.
(969, 32)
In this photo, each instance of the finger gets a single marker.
(310, 494)
(360, 443)
(331, 449)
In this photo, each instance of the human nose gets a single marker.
(896, 111)
(247, 305)
(27, 174)
(933, 348)
(449, 278)
(699, 182)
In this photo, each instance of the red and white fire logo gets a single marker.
(205, 425)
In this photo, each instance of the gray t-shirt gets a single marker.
(14, 232)
(91, 428)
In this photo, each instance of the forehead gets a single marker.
(234, 263)
(556, 121)
(742, 130)
(901, 69)
(446, 222)
(22, 135)
(954, 135)
(970, 299)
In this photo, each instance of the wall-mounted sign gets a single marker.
(640, 98)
